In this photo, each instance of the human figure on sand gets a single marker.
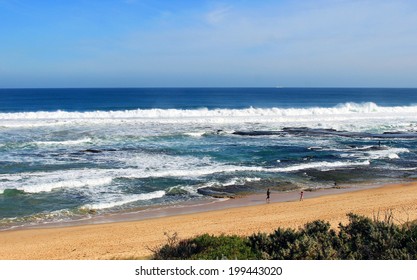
(301, 195)
(268, 193)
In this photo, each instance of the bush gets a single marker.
(409, 241)
(315, 241)
(365, 239)
(206, 247)
(362, 238)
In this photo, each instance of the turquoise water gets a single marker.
(68, 154)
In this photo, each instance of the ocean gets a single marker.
(75, 154)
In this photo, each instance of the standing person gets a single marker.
(301, 195)
(268, 193)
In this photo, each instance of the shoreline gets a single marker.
(199, 206)
(121, 239)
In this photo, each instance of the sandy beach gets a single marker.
(131, 239)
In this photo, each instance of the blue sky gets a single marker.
(146, 43)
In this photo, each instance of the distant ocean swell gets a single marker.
(341, 109)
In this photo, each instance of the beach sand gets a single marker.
(121, 240)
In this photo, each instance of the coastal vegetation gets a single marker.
(361, 238)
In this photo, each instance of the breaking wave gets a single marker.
(205, 115)
(64, 143)
(46, 182)
(119, 201)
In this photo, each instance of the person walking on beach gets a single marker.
(301, 195)
(268, 193)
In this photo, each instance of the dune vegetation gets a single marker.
(362, 238)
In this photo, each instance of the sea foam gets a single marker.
(65, 142)
(85, 178)
(340, 112)
(122, 200)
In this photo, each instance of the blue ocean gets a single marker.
(76, 154)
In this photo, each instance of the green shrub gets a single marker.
(409, 240)
(361, 239)
(365, 239)
(206, 247)
(315, 241)
(223, 247)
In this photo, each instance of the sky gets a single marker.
(242, 43)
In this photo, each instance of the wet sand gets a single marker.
(111, 238)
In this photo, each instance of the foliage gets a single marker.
(365, 239)
(205, 247)
(361, 238)
(315, 241)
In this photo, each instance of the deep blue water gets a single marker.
(68, 154)
(91, 99)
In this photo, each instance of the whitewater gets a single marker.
(60, 165)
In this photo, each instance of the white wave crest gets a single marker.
(195, 134)
(67, 184)
(11, 177)
(345, 108)
(124, 200)
(204, 171)
(65, 143)
(48, 181)
(322, 165)
(344, 111)
(391, 153)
